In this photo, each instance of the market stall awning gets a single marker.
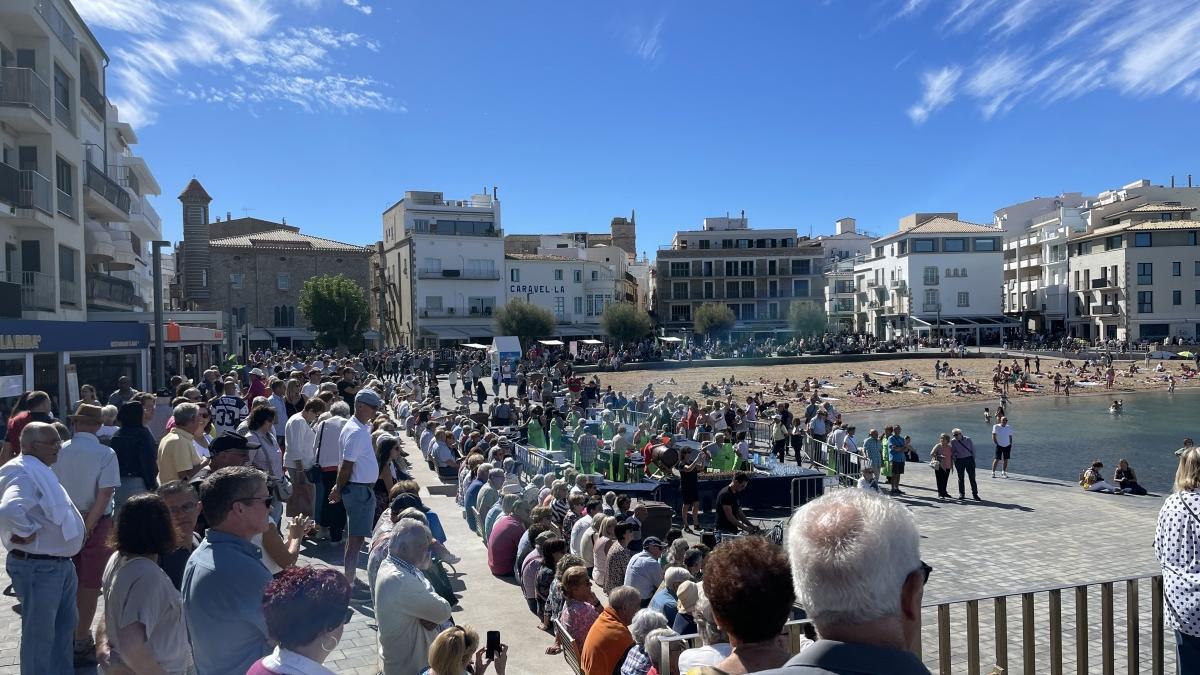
(260, 335)
(478, 331)
(292, 333)
(592, 342)
(671, 339)
(176, 335)
(475, 345)
(551, 343)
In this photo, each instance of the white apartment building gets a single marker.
(1035, 259)
(576, 290)
(841, 249)
(65, 207)
(757, 273)
(440, 269)
(1135, 273)
(936, 275)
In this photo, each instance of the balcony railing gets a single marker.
(1102, 283)
(35, 192)
(931, 307)
(10, 184)
(110, 289)
(24, 88)
(108, 188)
(142, 207)
(91, 94)
(58, 23)
(68, 290)
(437, 273)
(1105, 310)
(62, 113)
(65, 203)
(473, 312)
(37, 290)
(125, 177)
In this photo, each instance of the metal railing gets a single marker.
(107, 288)
(35, 192)
(439, 273)
(62, 113)
(1050, 632)
(90, 93)
(125, 177)
(37, 289)
(111, 190)
(24, 87)
(10, 184)
(142, 206)
(68, 292)
(65, 202)
(58, 23)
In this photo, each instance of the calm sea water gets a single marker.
(1058, 437)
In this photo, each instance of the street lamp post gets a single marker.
(160, 375)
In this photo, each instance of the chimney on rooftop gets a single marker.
(1189, 180)
(229, 215)
(1172, 181)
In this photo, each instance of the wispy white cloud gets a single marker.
(940, 88)
(242, 44)
(364, 8)
(911, 7)
(127, 16)
(646, 41)
(1134, 49)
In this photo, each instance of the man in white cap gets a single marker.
(356, 477)
(258, 386)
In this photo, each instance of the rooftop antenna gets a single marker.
(246, 211)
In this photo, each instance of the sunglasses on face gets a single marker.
(266, 501)
(926, 570)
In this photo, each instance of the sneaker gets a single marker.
(977, 498)
(449, 557)
(1004, 474)
(993, 474)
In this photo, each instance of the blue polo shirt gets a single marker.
(896, 449)
(469, 498)
(223, 585)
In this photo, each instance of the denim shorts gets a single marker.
(359, 501)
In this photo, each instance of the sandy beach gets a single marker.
(842, 377)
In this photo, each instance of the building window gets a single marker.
(1176, 298)
(985, 244)
(732, 289)
(1176, 269)
(283, 281)
(1145, 301)
(708, 290)
(1164, 216)
(591, 305)
(924, 246)
(706, 269)
(679, 290)
(964, 299)
(560, 308)
(595, 275)
(931, 276)
(1192, 238)
(1198, 296)
(800, 288)
(480, 306)
(579, 306)
(902, 248)
(420, 224)
(558, 275)
(802, 267)
(62, 92)
(681, 312)
(681, 269)
(284, 316)
(773, 310)
(705, 243)
(1196, 269)
(931, 299)
(1142, 239)
(433, 302)
(1145, 274)
(237, 280)
(431, 265)
(954, 245)
(514, 274)
(1112, 242)
(748, 311)
(578, 276)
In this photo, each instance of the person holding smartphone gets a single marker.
(455, 648)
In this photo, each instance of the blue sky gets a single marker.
(325, 111)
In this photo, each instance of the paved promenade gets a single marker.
(1027, 533)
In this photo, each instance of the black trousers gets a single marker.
(943, 477)
(333, 516)
(966, 465)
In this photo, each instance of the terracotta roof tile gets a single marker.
(195, 190)
(286, 239)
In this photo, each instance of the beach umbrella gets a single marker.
(1186, 355)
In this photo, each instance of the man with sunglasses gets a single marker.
(857, 571)
(224, 579)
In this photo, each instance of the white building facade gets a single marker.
(574, 289)
(841, 249)
(935, 276)
(441, 265)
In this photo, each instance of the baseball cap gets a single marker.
(652, 541)
(258, 372)
(228, 442)
(368, 397)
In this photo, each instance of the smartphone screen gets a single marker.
(493, 644)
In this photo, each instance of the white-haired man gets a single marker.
(857, 570)
(409, 612)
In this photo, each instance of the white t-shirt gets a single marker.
(708, 655)
(228, 412)
(1003, 435)
(355, 440)
(310, 390)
